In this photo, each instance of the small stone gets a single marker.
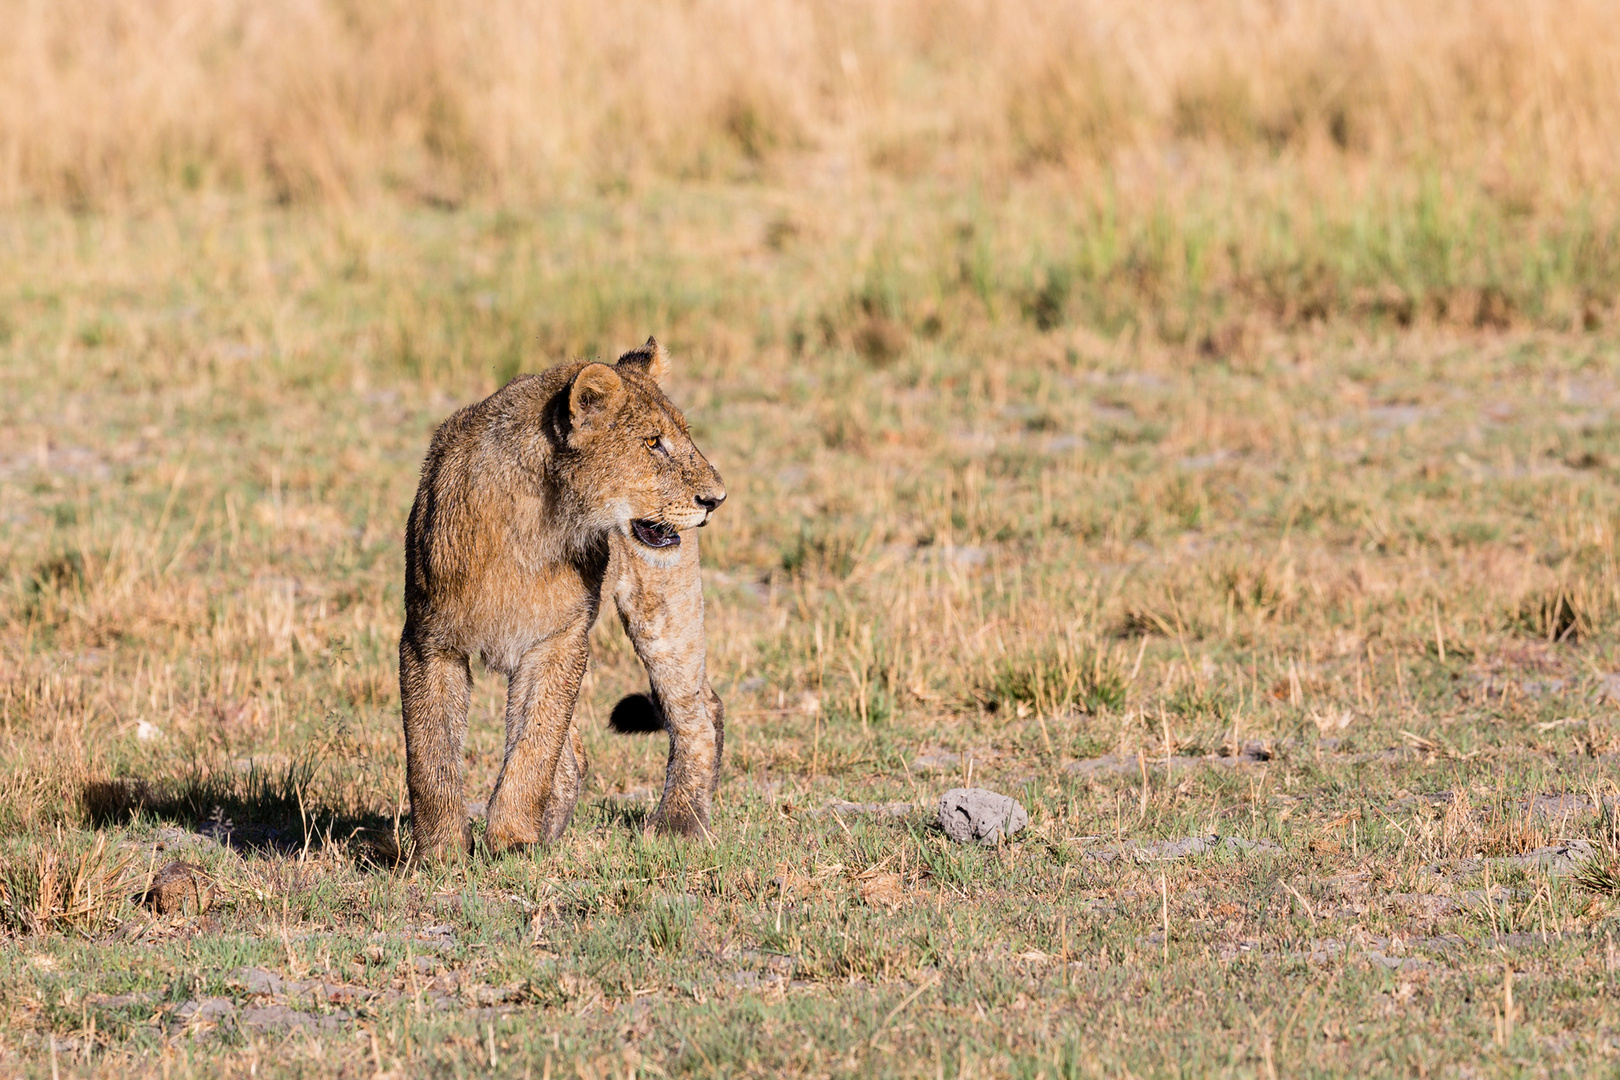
(975, 815)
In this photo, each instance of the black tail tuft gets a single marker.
(636, 714)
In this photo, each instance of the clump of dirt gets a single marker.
(977, 815)
(180, 888)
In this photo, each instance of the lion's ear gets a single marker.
(650, 358)
(595, 394)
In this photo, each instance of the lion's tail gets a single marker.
(636, 714)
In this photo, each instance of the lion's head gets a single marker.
(637, 469)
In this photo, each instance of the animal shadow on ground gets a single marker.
(258, 810)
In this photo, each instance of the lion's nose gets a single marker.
(711, 502)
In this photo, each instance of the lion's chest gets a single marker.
(512, 613)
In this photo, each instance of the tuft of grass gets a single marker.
(1552, 617)
(46, 889)
(1600, 874)
(1057, 679)
(669, 925)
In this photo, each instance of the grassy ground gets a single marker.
(1306, 548)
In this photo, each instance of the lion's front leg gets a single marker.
(542, 774)
(662, 611)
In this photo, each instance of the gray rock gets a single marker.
(1608, 689)
(207, 1010)
(1559, 808)
(1556, 860)
(975, 815)
(259, 981)
(753, 980)
(282, 1018)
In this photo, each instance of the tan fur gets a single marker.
(524, 517)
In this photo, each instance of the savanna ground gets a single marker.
(1203, 430)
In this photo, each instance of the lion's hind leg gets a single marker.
(435, 690)
(566, 786)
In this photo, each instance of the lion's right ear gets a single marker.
(650, 358)
(594, 396)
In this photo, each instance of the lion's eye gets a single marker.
(652, 442)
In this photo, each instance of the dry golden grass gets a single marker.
(101, 99)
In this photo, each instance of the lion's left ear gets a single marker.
(594, 397)
(650, 358)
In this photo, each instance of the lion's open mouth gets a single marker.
(655, 534)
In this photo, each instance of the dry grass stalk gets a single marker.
(44, 890)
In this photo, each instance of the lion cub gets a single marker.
(533, 503)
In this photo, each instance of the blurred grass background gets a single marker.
(299, 100)
(1209, 159)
